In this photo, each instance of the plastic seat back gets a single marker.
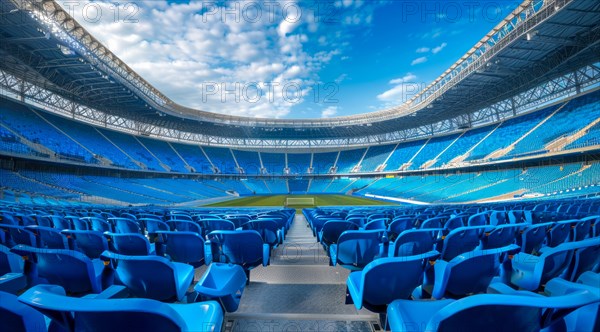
(151, 277)
(73, 221)
(7, 218)
(16, 316)
(131, 244)
(435, 222)
(460, 240)
(414, 242)
(51, 238)
(516, 216)
(70, 269)
(91, 243)
(581, 229)
(532, 237)
(46, 221)
(125, 225)
(397, 226)
(210, 225)
(153, 226)
(15, 235)
(559, 233)
(268, 230)
(382, 283)
(456, 222)
(357, 248)
(128, 216)
(99, 224)
(81, 224)
(183, 247)
(9, 262)
(584, 259)
(243, 248)
(332, 230)
(185, 226)
(499, 236)
(469, 273)
(179, 217)
(529, 272)
(376, 224)
(594, 225)
(479, 219)
(498, 218)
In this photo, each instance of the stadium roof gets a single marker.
(43, 45)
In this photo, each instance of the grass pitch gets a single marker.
(320, 200)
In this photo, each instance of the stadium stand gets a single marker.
(123, 210)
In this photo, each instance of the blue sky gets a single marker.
(290, 59)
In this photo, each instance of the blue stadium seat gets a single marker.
(460, 240)
(414, 242)
(70, 269)
(399, 225)
(584, 259)
(184, 226)
(523, 311)
(18, 317)
(435, 222)
(331, 231)
(98, 224)
(50, 238)
(357, 248)
(385, 280)
(210, 225)
(14, 235)
(581, 229)
(46, 220)
(152, 277)
(498, 218)
(12, 279)
(499, 236)
(183, 247)
(125, 225)
(594, 225)
(468, 273)
(533, 236)
(455, 222)
(245, 248)
(91, 243)
(90, 314)
(224, 283)
(132, 244)
(559, 233)
(530, 272)
(376, 224)
(81, 224)
(479, 219)
(154, 225)
(268, 229)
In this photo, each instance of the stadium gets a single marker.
(472, 205)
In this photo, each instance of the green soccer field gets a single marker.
(320, 200)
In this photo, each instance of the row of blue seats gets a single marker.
(83, 272)
(567, 305)
(220, 289)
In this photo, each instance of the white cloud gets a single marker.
(404, 88)
(182, 48)
(329, 112)
(419, 60)
(423, 49)
(407, 78)
(437, 49)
